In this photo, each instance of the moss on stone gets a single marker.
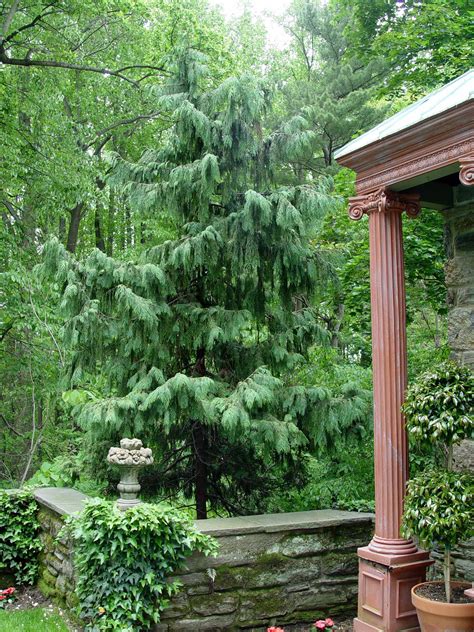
(46, 589)
(215, 604)
(270, 562)
(230, 577)
(48, 577)
(309, 616)
(263, 603)
(335, 563)
(47, 540)
(72, 600)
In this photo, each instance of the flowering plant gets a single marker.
(7, 596)
(323, 624)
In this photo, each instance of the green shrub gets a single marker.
(124, 560)
(68, 471)
(19, 535)
(439, 508)
(345, 481)
(439, 405)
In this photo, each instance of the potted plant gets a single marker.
(439, 505)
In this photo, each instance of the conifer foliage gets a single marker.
(195, 340)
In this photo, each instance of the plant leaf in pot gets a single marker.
(439, 505)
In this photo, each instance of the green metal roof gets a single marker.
(449, 96)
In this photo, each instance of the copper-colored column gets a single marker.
(389, 377)
(389, 566)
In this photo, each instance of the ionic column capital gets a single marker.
(384, 201)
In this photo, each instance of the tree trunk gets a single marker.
(449, 462)
(62, 229)
(200, 449)
(111, 224)
(128, 226)
(73, 232)
(200, 471)
(337, 326)
(99, 238)
(447, 574)
(39, 449)
(28, 226)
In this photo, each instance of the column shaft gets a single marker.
(387, 284)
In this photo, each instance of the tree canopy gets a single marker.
(176, 260)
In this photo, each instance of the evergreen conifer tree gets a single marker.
(195, 341)
(331, 93)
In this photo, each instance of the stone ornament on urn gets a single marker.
(130, 457)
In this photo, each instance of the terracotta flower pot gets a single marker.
(439, 616)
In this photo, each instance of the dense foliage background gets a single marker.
(204, 288)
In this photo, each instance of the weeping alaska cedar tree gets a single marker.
(196, 337)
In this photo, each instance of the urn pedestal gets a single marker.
(130, 458)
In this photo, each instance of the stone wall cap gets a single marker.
(66, 501)
(62, 500)
(271, 523)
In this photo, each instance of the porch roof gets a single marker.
(449, 96)
(427, 148)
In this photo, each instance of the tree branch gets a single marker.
(9, 18)
(47, 327)
(10, 427)
(30, 25)
(127, 121)
(6, 330)
(50, 63)
(142, 66)
(11, 209)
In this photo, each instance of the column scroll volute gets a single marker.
(466, 171)
(384, 200)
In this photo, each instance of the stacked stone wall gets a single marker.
(460, 299)
(284, 569)
(56, 578)
(460, 282)
(279, 574)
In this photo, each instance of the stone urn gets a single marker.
(130, 457)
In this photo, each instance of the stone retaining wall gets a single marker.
(275, 569)
(56, 573)
(460, 298)
(280, 568)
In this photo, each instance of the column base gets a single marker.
(362, 626)
(385, 583)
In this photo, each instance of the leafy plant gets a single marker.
(52, 474)
(439, 505)
(67, 471)
(439, 508)
(19, 535)
(439, 405)
(124, 561)
(345, 481)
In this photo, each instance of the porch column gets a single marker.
(390, 565)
